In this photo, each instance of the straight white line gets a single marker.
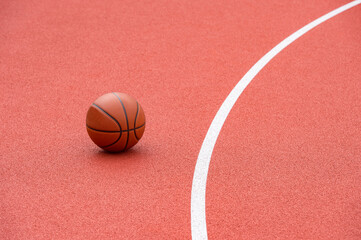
(198, 211)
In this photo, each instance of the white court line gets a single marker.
(198, 197)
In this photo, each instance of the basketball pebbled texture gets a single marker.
(115, 122)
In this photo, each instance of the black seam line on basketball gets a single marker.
(105, 131)
(135, 121)
(126, 117)
(102, 130)
(116, 121)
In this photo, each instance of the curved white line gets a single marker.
(198, 212)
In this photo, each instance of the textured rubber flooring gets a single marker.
(286, 165)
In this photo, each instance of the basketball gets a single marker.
(115, 122)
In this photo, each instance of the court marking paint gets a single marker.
(198, 195)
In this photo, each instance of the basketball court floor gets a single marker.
(253, 115)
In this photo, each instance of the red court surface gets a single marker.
(286, 165)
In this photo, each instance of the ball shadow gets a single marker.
(133, 154)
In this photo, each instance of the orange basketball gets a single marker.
(115, 122)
